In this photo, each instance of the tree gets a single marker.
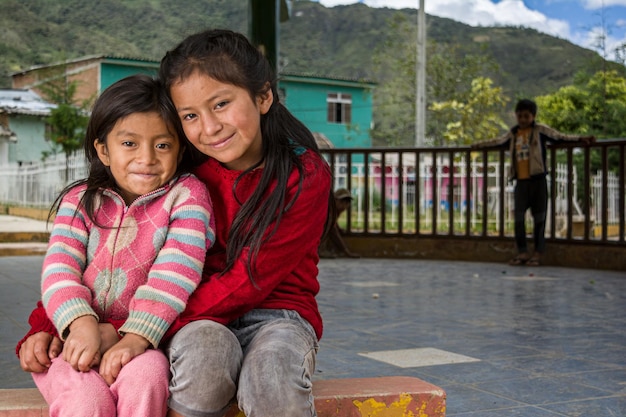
(450, 74)
(595, 105)
(67, 122)
(394, 98)
(477, 118)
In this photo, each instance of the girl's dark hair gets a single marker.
(526, 104)
(230, 58)
(135, 94)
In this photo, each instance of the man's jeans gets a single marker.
(531, 194)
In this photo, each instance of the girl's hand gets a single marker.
(108, 337)
(120, 354)
(82, 346)
(38, 350)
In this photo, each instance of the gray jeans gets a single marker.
(266, 359)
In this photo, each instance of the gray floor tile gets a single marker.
(550, 344)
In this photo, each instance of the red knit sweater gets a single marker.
(286, 269)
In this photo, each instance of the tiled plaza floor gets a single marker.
(500, 340)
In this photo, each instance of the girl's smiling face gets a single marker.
(221, 120)
(141, 153)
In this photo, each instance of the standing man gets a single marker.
(527, 145)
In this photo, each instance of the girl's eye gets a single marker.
(189, 116)
(127, 143)
(221, 104)
(164, 146)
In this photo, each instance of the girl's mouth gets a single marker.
(222, 142)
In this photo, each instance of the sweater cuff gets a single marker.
(147, 325)
(70, 311)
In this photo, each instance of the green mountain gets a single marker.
(337, 41)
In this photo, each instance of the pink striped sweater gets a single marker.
(140, 267)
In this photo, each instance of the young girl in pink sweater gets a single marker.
(126, 251)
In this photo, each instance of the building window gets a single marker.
(47, 132)
(339, 108)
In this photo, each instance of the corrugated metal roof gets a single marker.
(86, 58)
(155, 63)
(326, 78)
(24, 102)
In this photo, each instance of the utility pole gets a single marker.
(420, 73)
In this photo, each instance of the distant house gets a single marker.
(22, 126)
(339, 109)
(92, 74)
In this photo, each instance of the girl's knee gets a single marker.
(151, 364)
(65, 390)
(142, 387)
(205, 359)
(204, 347)
(286, 352)
(203, 335)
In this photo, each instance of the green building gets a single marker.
(339, 109)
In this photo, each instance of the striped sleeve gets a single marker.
(64, 296)
(178, 267)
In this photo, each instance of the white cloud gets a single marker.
(598, 4)
(591, 39)
(479, 12)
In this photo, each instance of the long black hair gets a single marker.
(135, 94)
(230, 58)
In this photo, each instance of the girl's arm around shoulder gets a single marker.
(289, 255)
(39, 322)
(177, 269)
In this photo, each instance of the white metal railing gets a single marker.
(403, 186)
(38, 184)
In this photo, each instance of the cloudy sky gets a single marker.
(579, 21)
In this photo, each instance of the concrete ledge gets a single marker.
(14, 237)
(30, 212)
(383, 397)
(23, 402)
(570, 254)
(23, 249)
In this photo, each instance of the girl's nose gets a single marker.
(147, 154)
(211, 124)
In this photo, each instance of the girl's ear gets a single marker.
(103, 152)
(264, 100)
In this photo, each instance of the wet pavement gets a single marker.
(500, 340)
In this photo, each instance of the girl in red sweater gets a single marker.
(250, 330)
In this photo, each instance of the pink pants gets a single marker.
(140, 390)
